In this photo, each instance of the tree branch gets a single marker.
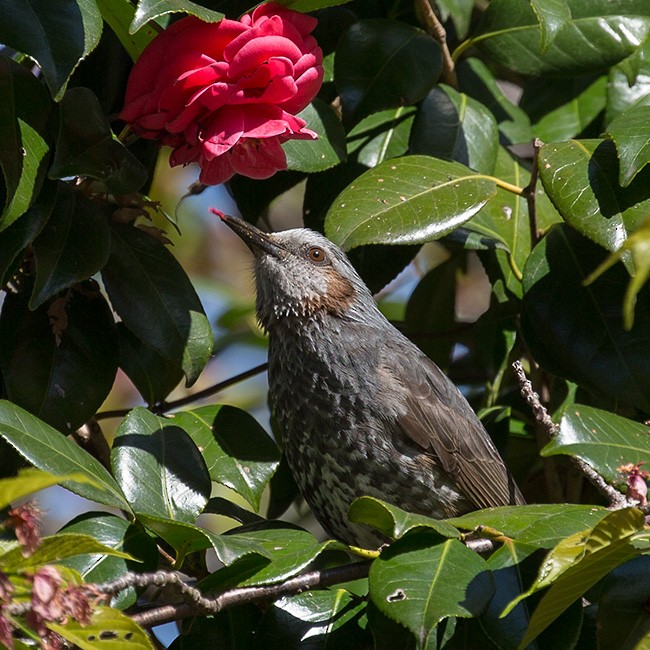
(531, 193)
(434, 28)
(614, 497)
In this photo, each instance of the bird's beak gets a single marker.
(258, 242)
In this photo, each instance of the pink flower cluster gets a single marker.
(226, 94)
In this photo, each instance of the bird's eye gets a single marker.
(316, 255)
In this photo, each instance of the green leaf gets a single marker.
(393, 521)
(331, 614)
(151, 9)
(24, 147)
(453, 126)
(73, 245)
(329, 150)
(108, 630)
(418, 583)
(477, 80)
(383, 64)
(598, 35)
(577, 563)
(120, 535)
(581, 178)
(237, 451)
(56, 37)
(15, 239)
(143, 276)
(560, 112)
(460, 12)
(119, 15)
(631, 133)
(159, 468)
(381, 136)
(59, 361)
(152, 374)
(578, 333)
(86, 146)
(48, 450)
(55, 548)
(32, 480)
(602, 439)
(310, 5)
(407, 200)
(553, 15)
(538, 526)
(628, 84)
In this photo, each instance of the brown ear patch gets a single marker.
(340, 293)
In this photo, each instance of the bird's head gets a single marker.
(300, 274)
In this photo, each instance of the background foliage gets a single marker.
(527, 148)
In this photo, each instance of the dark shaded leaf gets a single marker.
(237, 451)
(142, 276)
(608, 358)
(73, 245)
(57, 36)
(152, 374)
(383, 64)
(24, 146)
(59, 361)
(407, 200)
(454, 126)
(86, 146)
(119, 15)
(159, 468)
(48, 450)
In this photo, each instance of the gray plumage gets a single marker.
(362, 410)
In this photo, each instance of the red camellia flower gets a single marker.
(225, 94)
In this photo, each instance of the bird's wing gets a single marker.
(440, 421)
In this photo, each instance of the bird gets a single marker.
(362, 410)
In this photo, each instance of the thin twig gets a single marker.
(434, 28)
(614, 497)
(164, 407)
(531, 194)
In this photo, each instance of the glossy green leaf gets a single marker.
(631, 133)
(393, 521)
(48, 450)
(317, 155)
(553, 15)
(32, 480)
(237, 451)
(109, 629)
(460, 13)
(59, 361)
(73, 245)
(327, 617)
(120, 535)
(383, 64)
(628, 83)
(142, 276)
(24, 147)
(577, 563)
(539, 525)
(608, 358)
(623, 621)
(86, 146)
(55, 548)
(381, 136)
(418, 583)
(183, 538)
(15, 239)
(56, 36)
(599, 34)
(152, 374)
(159, 468)
(563, 111)
(604, 440)
(478, 81)
(581, 178)
(408, 200)
(454, 126)
(119, 15)
(151, 9)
